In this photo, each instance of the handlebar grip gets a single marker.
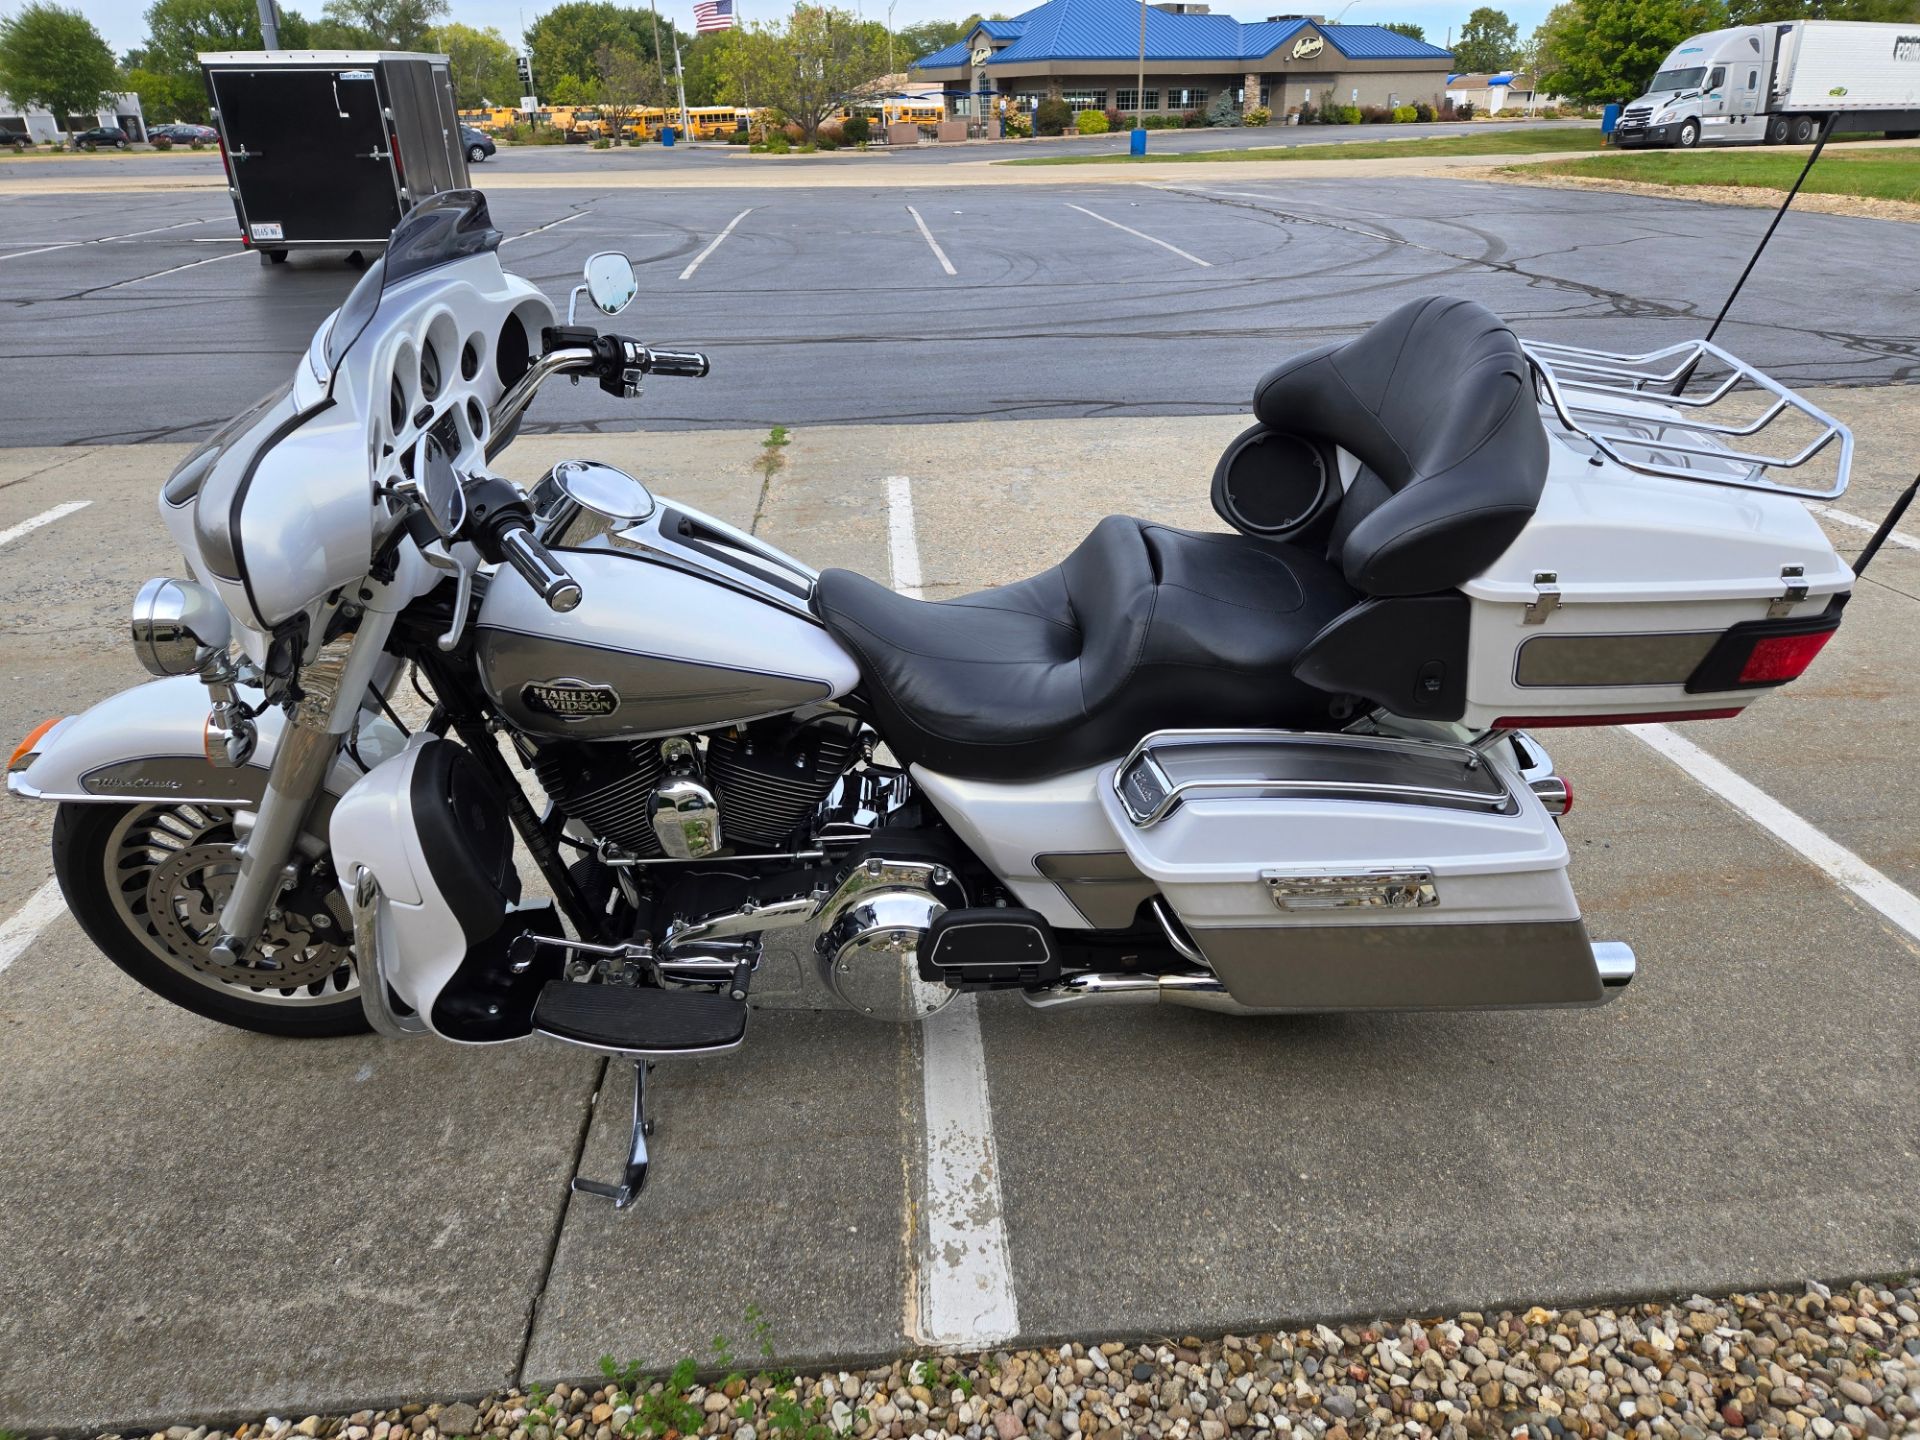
(690, 363)
(539, 569)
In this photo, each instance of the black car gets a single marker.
(101, 135)
(18, 139)
(479, 144)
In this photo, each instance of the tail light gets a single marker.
(1759, 653)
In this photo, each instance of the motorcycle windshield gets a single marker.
(438, 231)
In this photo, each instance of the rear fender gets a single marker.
(148, 743)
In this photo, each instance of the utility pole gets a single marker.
(269, 24)
(1139, 140)
(659, 60)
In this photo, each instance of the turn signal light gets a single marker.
(1782, 658)
(24, 750)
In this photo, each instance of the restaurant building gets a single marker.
(1086, 52)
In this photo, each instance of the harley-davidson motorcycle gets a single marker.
(1283, 767)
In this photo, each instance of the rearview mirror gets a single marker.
(436, 485)
(610, 281)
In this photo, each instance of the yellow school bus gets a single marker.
(712, 122)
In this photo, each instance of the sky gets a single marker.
(122, 23)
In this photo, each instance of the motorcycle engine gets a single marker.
(869, 932)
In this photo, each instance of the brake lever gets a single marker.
(441, 559)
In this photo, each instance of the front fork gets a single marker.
(332, 688)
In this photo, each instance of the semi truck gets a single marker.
(1780, 83)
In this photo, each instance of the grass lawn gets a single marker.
(1499, 142)
(1881, 174)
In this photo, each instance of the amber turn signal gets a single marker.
(24, 750)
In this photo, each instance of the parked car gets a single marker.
(101, 135)
(183, 134)
(479, 144)
(18, 139)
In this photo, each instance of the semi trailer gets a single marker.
(1780, 83)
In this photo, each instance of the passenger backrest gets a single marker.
(1437, 402)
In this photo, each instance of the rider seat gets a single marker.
(1145, 627)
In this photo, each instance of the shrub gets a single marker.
(1016, 125)
(1548, 112)
(856, 130)
(1257, 115)
(1308, 115)
(1191, 120)
(1465, 110)
(1117, 121)
(1375, 115)
(830, 130)
(1405, 114)
(807, 147)
(736, 137)
(1422, 112)
(825, 142)
(776, 143)
(603, 144)
(161, 142)
(1222, 111)
(196, 145)
(1051, 117)
(1090, 122)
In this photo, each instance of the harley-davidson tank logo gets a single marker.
(570, 699)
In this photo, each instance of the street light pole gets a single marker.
(269, 24)
(1139, 139)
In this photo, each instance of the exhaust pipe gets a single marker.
(1612, 960)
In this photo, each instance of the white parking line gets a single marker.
(45, 517)
(104, 239)
(23, 927)
(1860, 522)
(1901, 907)
(963, 1280)
(938, 253)
(191, 264)
(1208, 264)
(542, 229)
(715, 243)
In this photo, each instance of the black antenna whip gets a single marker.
(1826, 129)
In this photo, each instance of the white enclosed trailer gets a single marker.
(1780, 82)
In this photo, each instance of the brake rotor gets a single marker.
(303, 944)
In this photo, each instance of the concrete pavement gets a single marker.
(201, 1222)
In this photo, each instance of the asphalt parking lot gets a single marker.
(202, 1222)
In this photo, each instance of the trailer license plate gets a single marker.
(262, 230)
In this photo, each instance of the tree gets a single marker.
(706, 64)
(628, 83)
(1486, 42)
(808, 65)
(1593, 51)
(1406, 28)
(178, 30)
(565, 40)
(378, 24)
(54, 58)
(481, 63)
(166, 98)
(1757, 12)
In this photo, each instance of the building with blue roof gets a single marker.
(1086, 52)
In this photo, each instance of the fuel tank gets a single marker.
(683, 624)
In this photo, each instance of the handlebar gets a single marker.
(581, 351)
(536, 565)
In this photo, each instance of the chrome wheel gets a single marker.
(168, 870)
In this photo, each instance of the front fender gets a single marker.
(147, 744)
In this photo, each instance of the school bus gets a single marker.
(713, 122)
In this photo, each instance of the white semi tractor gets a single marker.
(1778, 83)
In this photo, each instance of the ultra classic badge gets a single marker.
(569, 699)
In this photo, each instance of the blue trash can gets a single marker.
(1609, 117)
(1137, 144)
(666, 135)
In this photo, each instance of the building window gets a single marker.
(1266, 96)
(1186, 99)
(1078, 100)
(1128, 100)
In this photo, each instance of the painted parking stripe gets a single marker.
(542, 229)
(1140, 234)
(938, 253)
(1860, 522)
(714, 244)
(191, 264)
(104, 239)
(23, 927)
(963, 1279)
(1898, 906)
(45, 517)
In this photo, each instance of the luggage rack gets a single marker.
(1627, 410)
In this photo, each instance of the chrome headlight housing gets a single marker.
(179, 628)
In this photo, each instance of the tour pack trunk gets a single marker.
(327, 149)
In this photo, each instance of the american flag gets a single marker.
(711, 15)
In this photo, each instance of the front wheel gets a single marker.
(1689, 134)
(475, 154)
(147, 883)
(119, 144)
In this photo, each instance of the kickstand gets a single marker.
(635, 1178)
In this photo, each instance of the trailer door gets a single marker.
(309, 154)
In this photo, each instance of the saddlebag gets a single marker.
(1348, 872)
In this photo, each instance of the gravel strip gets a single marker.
(1865, 207)
(1822, 1364)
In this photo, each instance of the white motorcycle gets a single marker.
(1277, 769)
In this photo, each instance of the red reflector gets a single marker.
(1783, 657)
(1561, 722)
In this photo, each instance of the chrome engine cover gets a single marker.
(869, 932)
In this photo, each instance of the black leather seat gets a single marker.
(1143, 627)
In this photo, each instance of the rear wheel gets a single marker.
(475, 154)
(1777, 128)
(119, 144)
(147, 883)
(1803, 129)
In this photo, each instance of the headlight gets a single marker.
(178, 627)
